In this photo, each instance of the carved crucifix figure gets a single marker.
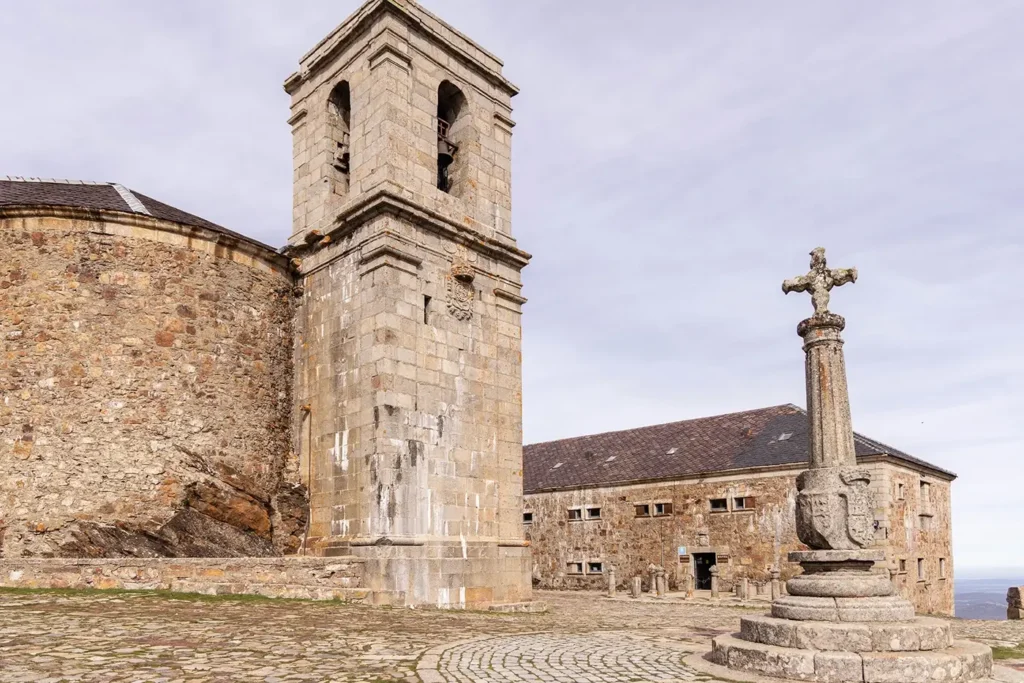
(819, 281)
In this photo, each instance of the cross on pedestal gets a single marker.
(819, 281)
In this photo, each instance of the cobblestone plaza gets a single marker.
(49, 636)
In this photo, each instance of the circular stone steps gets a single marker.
(803, 608)
(963, 661)
(910, 636)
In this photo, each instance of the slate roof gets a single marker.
(41, 192)
(755, 438)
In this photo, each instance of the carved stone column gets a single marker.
(611, 582)
(714, 580)
(840, 620)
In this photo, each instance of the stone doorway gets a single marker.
(702, 564)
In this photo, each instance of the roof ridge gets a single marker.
(665, 424)
(130, 199)
(54, 181)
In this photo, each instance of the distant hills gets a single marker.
(981, 593)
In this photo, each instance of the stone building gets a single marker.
(719, 491)
(171, 388)
(145, 380)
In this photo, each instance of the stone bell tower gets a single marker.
(408, 390)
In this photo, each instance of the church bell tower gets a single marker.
(408, 385)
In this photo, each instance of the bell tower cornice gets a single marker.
(417, 19)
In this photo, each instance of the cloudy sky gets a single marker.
(674, 160)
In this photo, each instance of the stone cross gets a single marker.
(834, 508)
(819, 281)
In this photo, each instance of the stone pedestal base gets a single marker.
(446, 575)
(841, 623)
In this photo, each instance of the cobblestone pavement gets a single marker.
(136, 637)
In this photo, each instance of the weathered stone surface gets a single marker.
(834, 508)
(826, 557)
(920, 634)
(891, 608)
(838, 667)
(1015, 603)
(130, 393)
(769, 660)
(965, 661)
(754, 540)
(408, 357)
(840, 585)
(289, 577)
(802, 608)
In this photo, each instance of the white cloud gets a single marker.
(674, 161)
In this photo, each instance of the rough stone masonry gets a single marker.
(172, 389)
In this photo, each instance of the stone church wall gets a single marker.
(144, 390)
(747, 543)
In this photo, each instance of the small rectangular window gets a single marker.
(920, 569)
(661, 509)
(903, 566)
(426, 309)
(527, 518)
(575, 514)
(642, 510)
(719, 504)
(574, 567)
(942, 567)
(593, 513)
(593, 567)
(744, 503)
(901, 493)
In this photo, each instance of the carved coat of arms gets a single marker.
(834, 508)
(459, 283)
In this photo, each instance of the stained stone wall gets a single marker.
(408, 330)
(921, 529)
(145, 387)
(747, 542)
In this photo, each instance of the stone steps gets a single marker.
(920, 634)
(963, 661)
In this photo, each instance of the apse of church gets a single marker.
(408, 400)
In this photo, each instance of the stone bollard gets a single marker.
(688, 585)
(611, 582)
(776, 592)
(1015, 603)
(714, 581)
(661, 583)
(743, 588)
(636, 588)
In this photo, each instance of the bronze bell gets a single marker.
(445, 151)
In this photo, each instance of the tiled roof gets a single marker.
(26, 192)
(755, 438)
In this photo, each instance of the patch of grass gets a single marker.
(1014, 652)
